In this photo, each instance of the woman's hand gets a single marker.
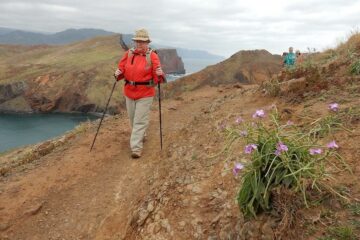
(159, 71)
(117, 73)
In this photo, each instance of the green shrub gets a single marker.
(343, 233)
(355, 67)
(272, 87)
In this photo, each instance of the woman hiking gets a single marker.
(140, 68)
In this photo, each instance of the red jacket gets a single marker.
(134, 68)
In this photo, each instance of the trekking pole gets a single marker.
(161, 142)
(159, 93)
(92, 145)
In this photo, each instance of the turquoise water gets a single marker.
(22, 129)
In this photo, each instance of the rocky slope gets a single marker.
(59, 190)
(75, 77)
(187, 190)
(244, 67)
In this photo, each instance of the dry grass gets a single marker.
(345, 53)
(351, 44)
(286, 204)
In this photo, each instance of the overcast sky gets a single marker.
(218, 26)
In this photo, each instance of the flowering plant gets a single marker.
(280, 155)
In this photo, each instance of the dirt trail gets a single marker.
(186, 191)
(72, 194)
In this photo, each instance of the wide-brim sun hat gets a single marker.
(141, 35)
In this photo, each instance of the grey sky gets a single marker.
(218, 26)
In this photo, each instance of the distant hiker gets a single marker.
(290, 58)
(299, 57)
(284, 58)
(140, 68)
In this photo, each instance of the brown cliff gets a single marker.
(170, 61)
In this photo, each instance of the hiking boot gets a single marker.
(136, 154)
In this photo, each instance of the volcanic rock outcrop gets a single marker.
(171, 62)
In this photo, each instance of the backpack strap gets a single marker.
(131, 52)
(147, 55)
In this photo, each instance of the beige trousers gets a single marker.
(138, 111)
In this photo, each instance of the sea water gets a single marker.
(22, 129)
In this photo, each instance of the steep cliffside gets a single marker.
(171, 62)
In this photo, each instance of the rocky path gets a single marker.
(185, 191)
(74, 194)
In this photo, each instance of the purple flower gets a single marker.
(243, 133)
(315, 151)
(334, 107)
(332, 145)
(250, 148)
(289, 123)
(277, 152)
(259, 114)
(237, 168)
(239, 120)
(222, 125)
(280, 147)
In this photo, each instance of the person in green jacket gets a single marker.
(284, 58)
(290, 58)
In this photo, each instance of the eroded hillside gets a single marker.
(188, 190)
(64, 78)
(75, 77)
(244, 67)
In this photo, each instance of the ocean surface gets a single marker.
(192, 65)
(22, 129)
